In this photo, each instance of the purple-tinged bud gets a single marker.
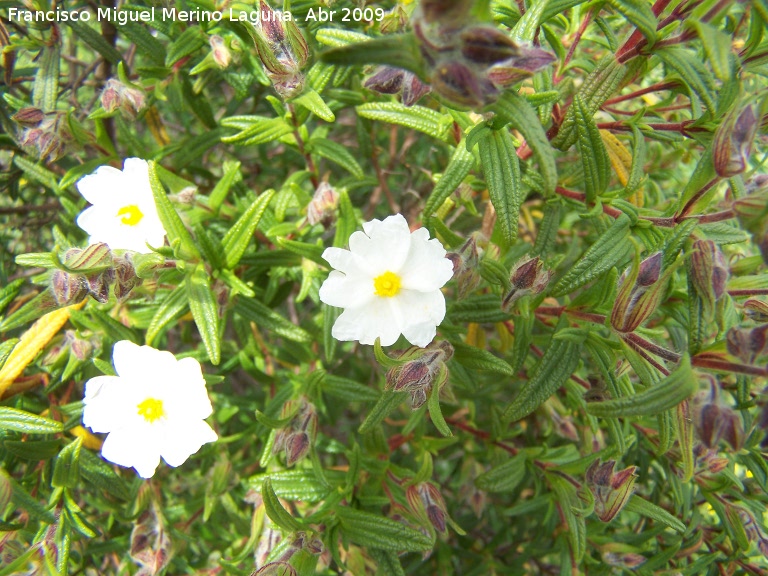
(732, 144)
(322, 208)
(278, 568)
(29, 117)
(296, 437)
(150, 545)
(296, 447)
(68, 288)
(528, 277)
(715, 421)
(628, 560)
(611, 490)
(221, 54)
(756, 310)
(747, 344)
(413, 89)
(111, 99)
(385, 80)
(487, 45)
(529, 61)
(117, 95)
(30, 137)
(424, 370)
(466, 266)
(427, 503)
(125, 277)
(99, 284)
(709, 274)
(461, 86)
(81, 349)
(95, 258)
(639, 294)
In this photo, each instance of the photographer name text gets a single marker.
(123, 17)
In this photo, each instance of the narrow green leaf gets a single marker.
(346, 223)
(502, 175)
(205, 311)
(479, 359)
(139, 34)
(503, 478)
(275, 510)
(717, 46)
(386, 404)
(639, 13)
(171, 308)
(568, 500)
(594, 158)
(330, 314)
(24, 501)
(612, 248)
(435, 412)
(174, 227)
(692, 71)
(514, 108)
(66, 470)
(26, 422)
(418, 118)
(9, 292)
(37, 173)
(387, 562)
(458, 167)
(267, 319)
(313, 102)
(336, 153)
(555, 367)
(255, 130)
(667, 394)
(527, 27)
(193, 38)
(644, 508)
(547, 233)
(399, 50)
(236, 239)
(230, 175)
(349, 390)
(300, 484)
(46, 88)
(376, 531)
(95, 41)
(637, 173)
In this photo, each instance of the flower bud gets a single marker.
(516, 69)
(150, 545)
(427, 503)
(611, 490)
(424, 369)
(394, 21)
(278, 568)
(628, 560)
(640, 292)
(714, 421)
(466, 266)
(756, 310)
(125, 277)
(296, 437)
(111, 99)
(49, 134)
(747, 344)
(528, 277)
(487, 45)
(385, 80)
(81, 349)
(68, 288)
(116, 95)
(99, 283)
(322, 208)
(29, 117)
(732, 144)
(413, 89)
(709, 273)
(221, 54)
(94, 258)
(461, 86)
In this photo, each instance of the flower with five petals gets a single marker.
(389, 284)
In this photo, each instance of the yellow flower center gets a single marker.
(151, 409)
(387, 285)
(131, 215)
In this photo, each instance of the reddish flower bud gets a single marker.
(68, 288)
(732, 144)
(427, 503)
(516, 69)
(487, 45)
(413, 89)
(125, 277)
(424, 370)
(29, 117)
(322, 208)
(747, 344)
(150, 545)
(95, 258)
(110, 97)
(221, 54)
(279, 568)
(296, 437)
(611, 490)
(461, 86)
(715, 421)
(385, 80)
(639, 294)
(756, 310)
(628, 560)
(528, 277)
(116, 95)
(466, 266)
(709, 274)
(99, 284)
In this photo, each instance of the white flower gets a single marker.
(389, 284)
(123, 214)
(154, 407)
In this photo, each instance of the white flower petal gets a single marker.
(384, 246)
(379, 319)
(346, 290)
(105, 404)
(344, 261)
(101, 185)
(183, 439)
(426, 267)
(133, 448)
(141, 362)
(422, 312)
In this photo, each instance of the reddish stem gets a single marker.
(725, 366)
(653, 88)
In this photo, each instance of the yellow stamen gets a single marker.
(151, 409)
(387, 285)
(131, 215)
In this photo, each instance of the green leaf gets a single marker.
(37, 173)
(349, 390)
(236, 239)
(95, 41)
(23, 501)
(434, 409)
(417, 118)
(193, 38)
(567, 498)
(46, 88)
(550, 225)
(376, 531)
(346, 223)
(594, 158)
(205, 311)
(171, 308)
(503, 478)
(502, 175)
(639, 13)
(479, 359)
(313, 102)
(527, 27)
(386, 404)
(644, 508)
(612, 248)
(717, 46)
(275, 510)
(255, 130)
(336, 153)
(26, 422)
(267, 319)
(178, 235)
(398, 50)
(513, 108)
(667, 394)
(230, 175)
(387, 563)
(458, 167)
(695, 75)
(558, 363)
(151, 47)
(9, 292)
(66, 471)
(297, 484)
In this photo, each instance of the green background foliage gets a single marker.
(646, 134)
